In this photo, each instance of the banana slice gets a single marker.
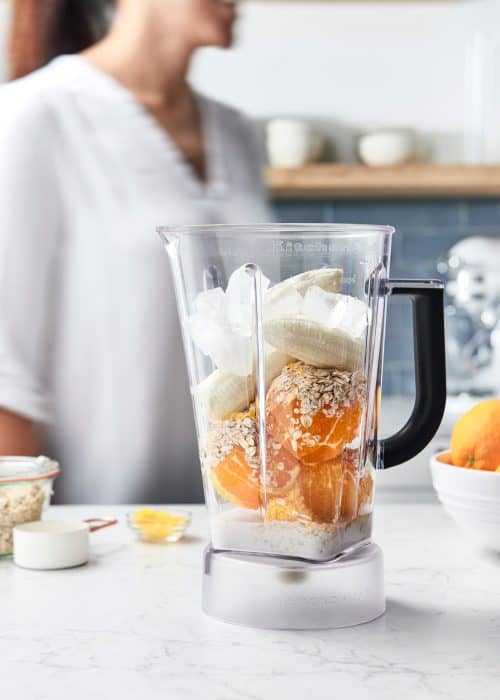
(329, 279)
(315, 344)
(223, 393)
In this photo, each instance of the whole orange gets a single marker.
(475, 442)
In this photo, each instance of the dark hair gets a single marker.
(43, 29)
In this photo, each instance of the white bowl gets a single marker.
(472, 498)
(385, 148)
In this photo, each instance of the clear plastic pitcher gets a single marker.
(283, 327)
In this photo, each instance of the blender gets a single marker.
(283, 328)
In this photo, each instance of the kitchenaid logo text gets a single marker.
(298, 248)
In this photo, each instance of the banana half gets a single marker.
(328, 279)
(223, 393)
(315, 344)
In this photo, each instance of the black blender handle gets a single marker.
(430, 370)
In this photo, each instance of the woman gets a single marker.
(96, 150)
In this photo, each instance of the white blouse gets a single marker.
(89, 339)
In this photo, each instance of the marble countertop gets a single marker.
(129, 625)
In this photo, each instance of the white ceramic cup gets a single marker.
(292, 143)
(54, 544)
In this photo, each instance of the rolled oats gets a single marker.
(19, 504)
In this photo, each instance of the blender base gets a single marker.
(279, 593)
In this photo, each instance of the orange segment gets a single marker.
(235, 481)
(333, 491)
(314, 412)
(282, 470)
(321, 489)
(327, 493)
(356, 495)
(349, 506)
(357, 491)
(365, 491)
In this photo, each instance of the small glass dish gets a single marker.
(158, 533)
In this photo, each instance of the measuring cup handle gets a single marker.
(430, 371)
(104, 522)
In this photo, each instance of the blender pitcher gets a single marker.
(283, 329)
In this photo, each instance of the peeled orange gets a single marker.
(321, 489)
(314, 413)
(235, 480)
(239, 483)
(475, 442)
(333, 493)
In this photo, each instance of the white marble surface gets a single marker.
(129, 625)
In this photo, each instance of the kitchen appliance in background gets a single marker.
(283, 327)
(472, 322)
(473, 317)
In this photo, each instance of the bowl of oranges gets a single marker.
(467, 477)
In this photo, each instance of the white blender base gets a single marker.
(278, 593)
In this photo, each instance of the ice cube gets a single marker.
(336, 311)
(240, 299)
(349, 315)
(222, 326)
(229, 351)
(204, 332)
(210, 304)
(288, 303)
(318, 305)
(233, 353)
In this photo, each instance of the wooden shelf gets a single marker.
(406, 181)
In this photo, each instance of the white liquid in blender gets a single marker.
(244, 530)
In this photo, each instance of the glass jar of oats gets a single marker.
(25, 489)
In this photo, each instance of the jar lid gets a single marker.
(16, 469)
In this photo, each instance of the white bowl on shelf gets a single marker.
(472, 498)
(387, 147)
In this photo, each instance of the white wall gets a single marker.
(362, 62)
(358, 65)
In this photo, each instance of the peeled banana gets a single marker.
(328, 279)
(314, 343)
(223, 393)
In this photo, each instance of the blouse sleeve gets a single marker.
(29, 226)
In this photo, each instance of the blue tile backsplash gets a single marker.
(426, 230)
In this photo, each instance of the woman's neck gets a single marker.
(154, 68)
